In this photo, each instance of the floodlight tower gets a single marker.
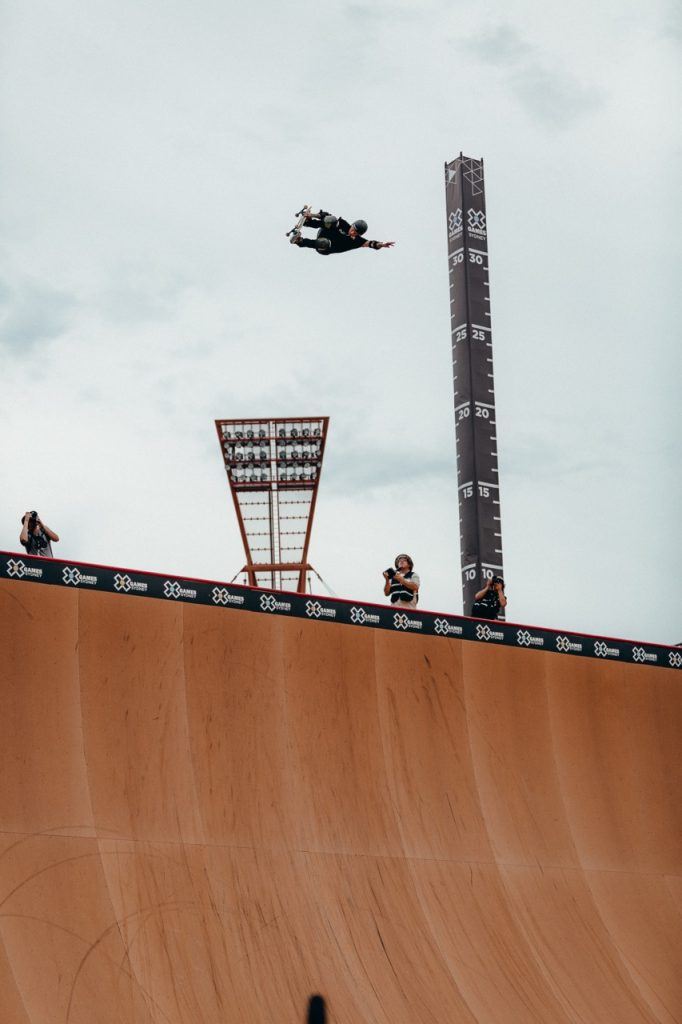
(474, 389)
(273, 468)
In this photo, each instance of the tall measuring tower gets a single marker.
(474, 388)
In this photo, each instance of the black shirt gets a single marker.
(339, 237)
(488, 606)
(341, 242)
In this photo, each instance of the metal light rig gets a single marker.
(273, 469)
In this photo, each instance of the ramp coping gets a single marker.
(90, 576)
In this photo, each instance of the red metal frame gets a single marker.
(280, 459)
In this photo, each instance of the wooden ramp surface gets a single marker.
(207, 815)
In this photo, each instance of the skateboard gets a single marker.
(301, 216)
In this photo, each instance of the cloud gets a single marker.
(532, 456)
(672, 22)
(358, 472)
(550, 96)
(554, 98)
(30, 314)
(135, 301)
(501, 46)
(379, 13)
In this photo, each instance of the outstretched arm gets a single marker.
(378, 245)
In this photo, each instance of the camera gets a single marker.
(497, 579)
(390, 572)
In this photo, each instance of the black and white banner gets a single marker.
(81, 576)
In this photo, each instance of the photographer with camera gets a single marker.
(402, 583)
(487, 602)
(35, 536)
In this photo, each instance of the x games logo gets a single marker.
(172, 589)
(315, 610)
(269, 603)
(442, 627)
(221, 595)
(566, 646)
(527, 639)
(402, 621)
(72, 576)
(360, 617)
(640, 655)
(124, 584)
(484, 632)
(455, 222)
(476, 220)
(16, 568)
(602, 650)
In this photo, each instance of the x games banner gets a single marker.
(85, 577)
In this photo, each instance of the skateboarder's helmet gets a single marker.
(360, 226)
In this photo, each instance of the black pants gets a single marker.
(311, 243)
(483, 611)
(333, 235)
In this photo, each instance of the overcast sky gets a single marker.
(153, 154)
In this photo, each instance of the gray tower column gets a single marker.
(474, 387)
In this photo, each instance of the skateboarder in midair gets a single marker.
(334, 234)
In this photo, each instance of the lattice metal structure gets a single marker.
(472, 367)
(273, 470)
